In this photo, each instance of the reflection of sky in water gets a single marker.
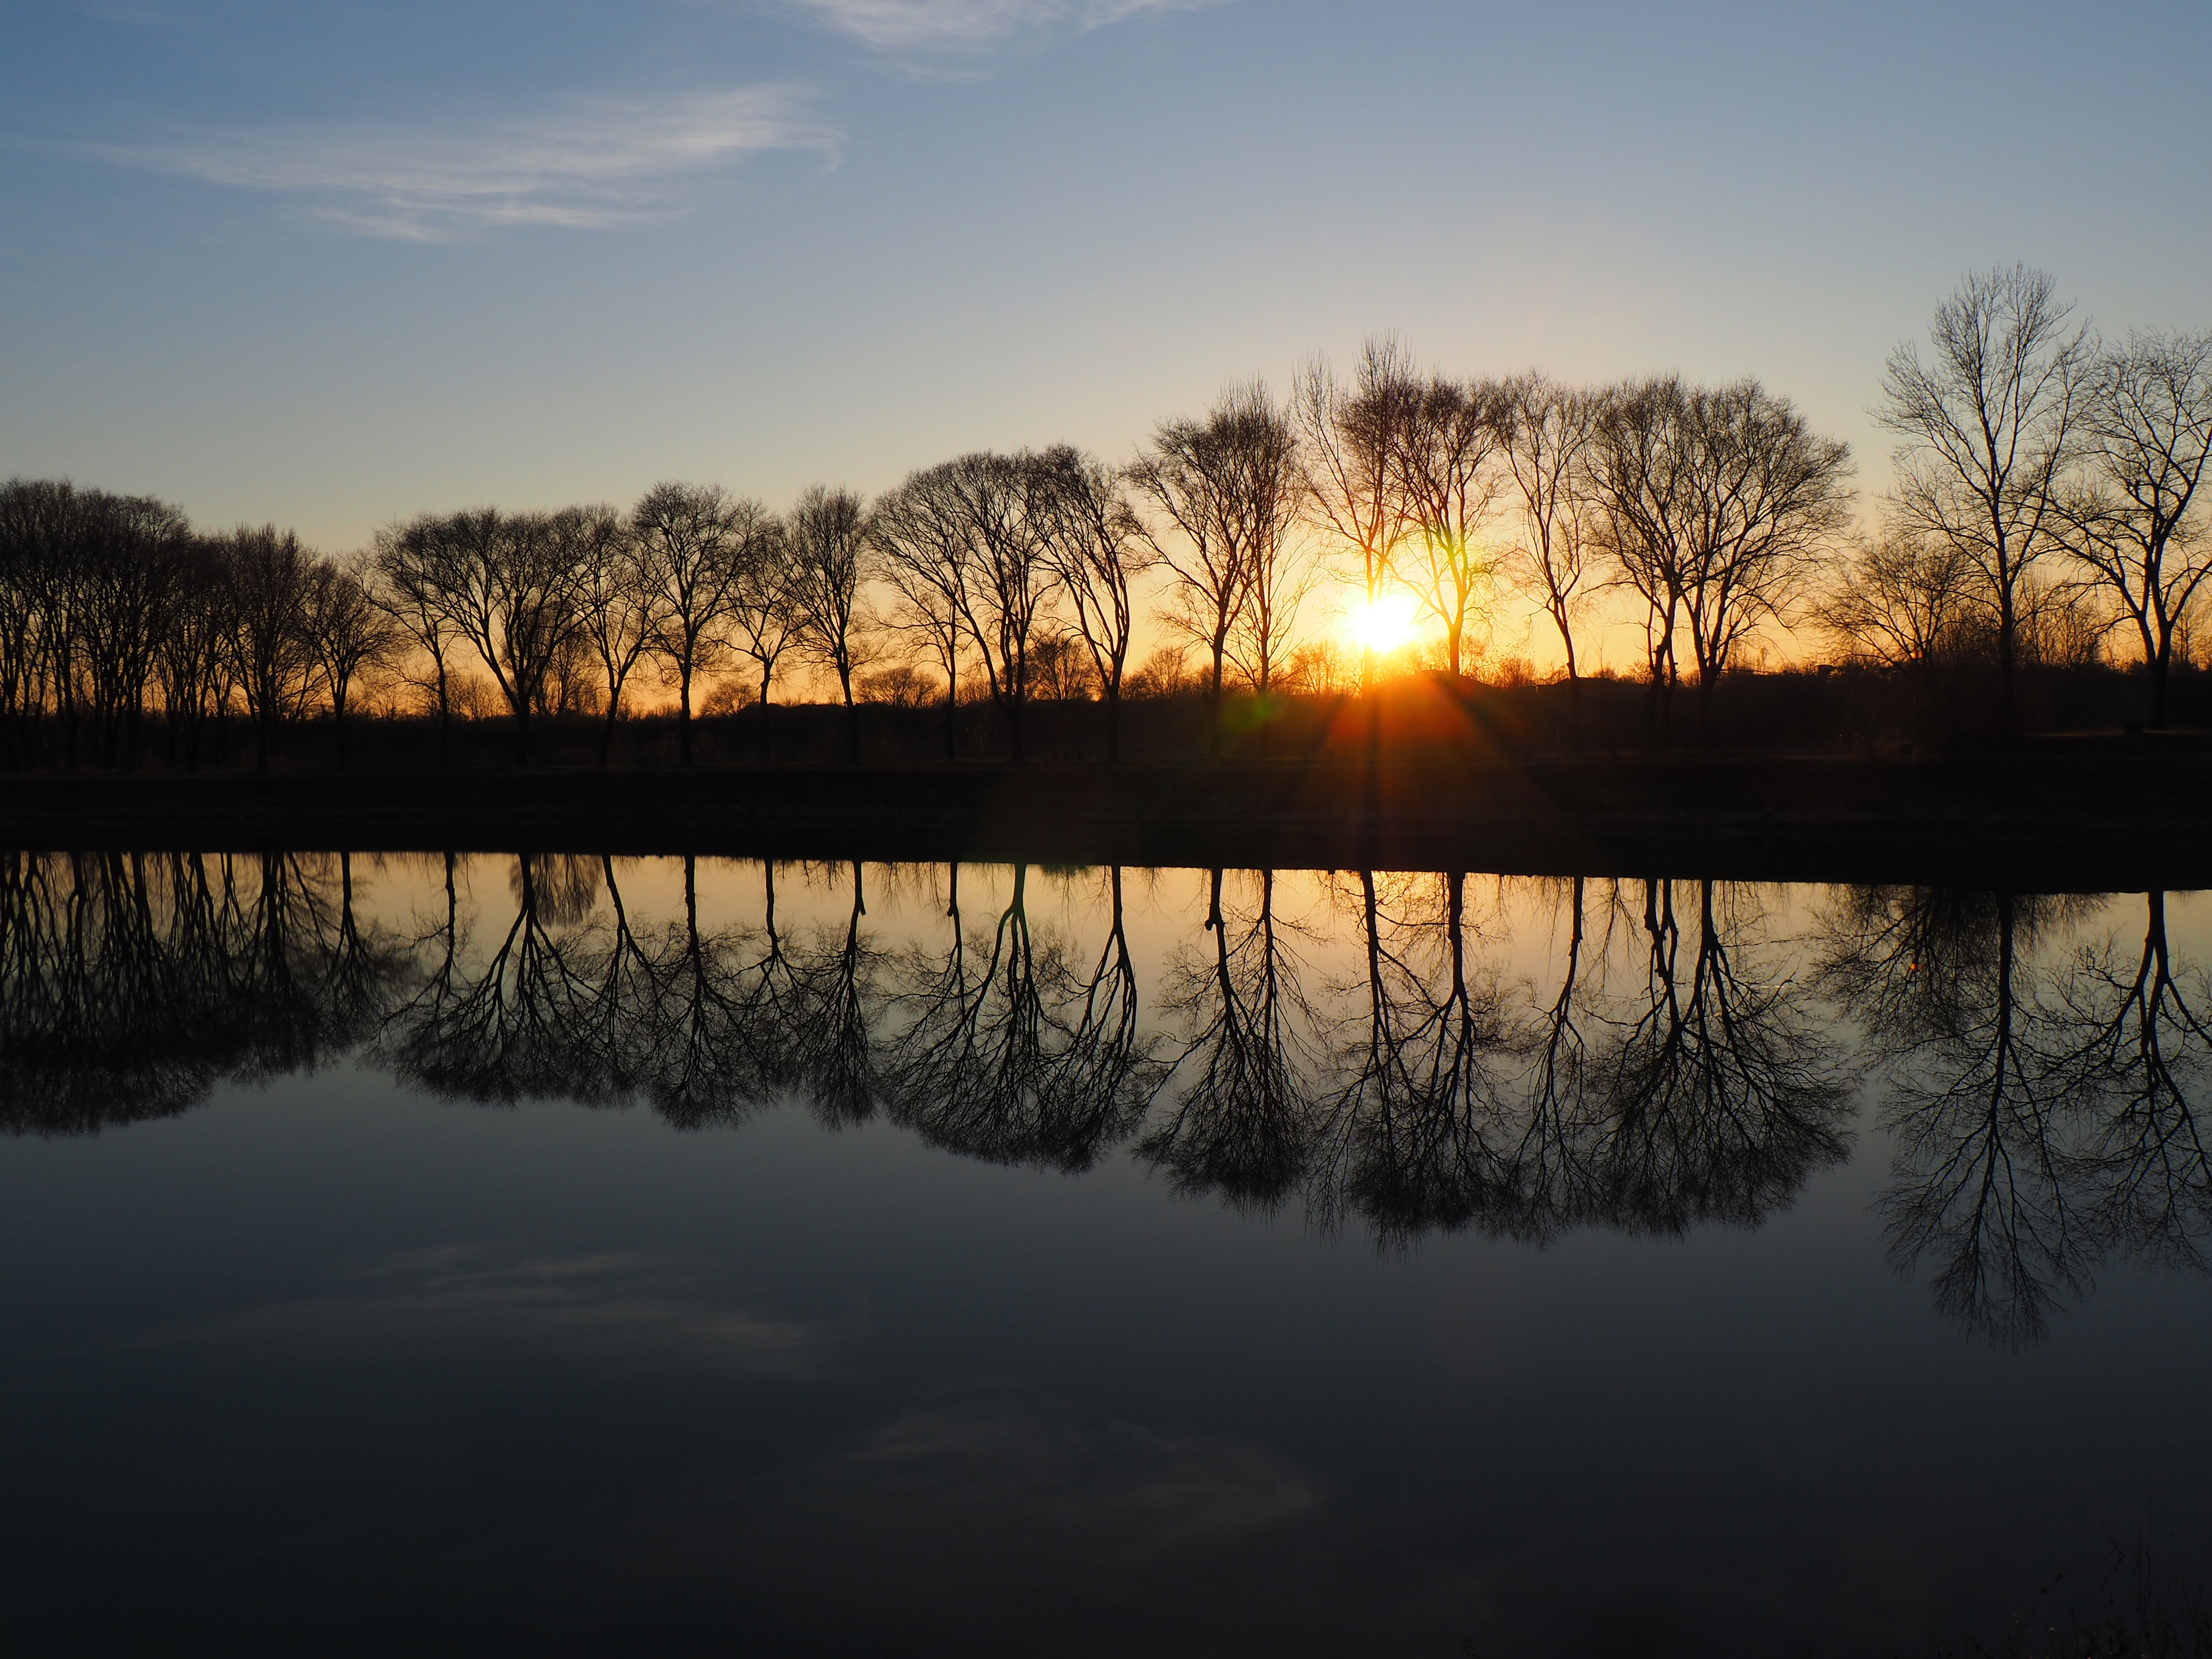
(322, 1353)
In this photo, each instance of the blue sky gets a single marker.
(333, 264)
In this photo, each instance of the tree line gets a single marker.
(2045, 496)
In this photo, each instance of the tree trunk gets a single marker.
(2008, 649)
(1213, 708)
(684, 713)
(1114, 732)
(444, 719)
(767, 748)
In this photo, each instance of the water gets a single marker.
(563, 1254)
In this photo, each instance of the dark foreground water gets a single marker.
(552, 1255)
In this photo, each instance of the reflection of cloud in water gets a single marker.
(620, 1310)
(1111, 1486)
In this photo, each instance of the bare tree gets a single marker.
(268, 575)
(193, 659)
(920, 538)
(614, 598)
(511, 589)
(1350, 434)
(1990, 425)
(1718, 501)
(965, 542)
(412, 580)
(1639, 488)
(126, 560)
(828, 532)
(1227, 486)
(1442, 466)
(764, 614)
(1009, 580)
(1546, 430)
(1097, 545)
(1898, 601)
(2146, 425)
(700, 544)
(347, 632)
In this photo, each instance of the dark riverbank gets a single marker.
(2055, 818)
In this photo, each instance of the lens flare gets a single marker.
(1384, 624)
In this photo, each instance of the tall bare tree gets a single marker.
(269, 575)
(1720, 500)
(1546, 430)
(921, 537)
(828, 532)
(1640, 489)
(764, 615)
(2146, 427)
(700, 544)
(412, 580)
(127, 557)
(508, 585)
(1349, 433)
(1227, 488)
(193, 660)
(1990, 422)
(1009, 580)
(614, 600)
(1444, 467)
(348, 634)
(1097, 545)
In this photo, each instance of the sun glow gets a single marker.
(1382, 624)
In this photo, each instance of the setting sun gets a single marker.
(1384, 624)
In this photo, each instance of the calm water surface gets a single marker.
(566, 1254)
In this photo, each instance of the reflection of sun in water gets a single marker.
(1383, 625)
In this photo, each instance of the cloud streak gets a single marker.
(924, 25)
(590, 165)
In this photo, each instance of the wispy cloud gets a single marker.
(590, 164)
(910, 25)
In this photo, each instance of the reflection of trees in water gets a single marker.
(1676, 1080)
(575, 1002)
(1705, 1090)
(129, 984)
(509, 1029)
(1416, 1136)
(2141, 1048)
(2039, 1102)
(1664, 1069)
(1242, 1121)
(1006, 1052)
(1720, 1089)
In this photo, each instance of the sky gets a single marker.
(332, 264)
